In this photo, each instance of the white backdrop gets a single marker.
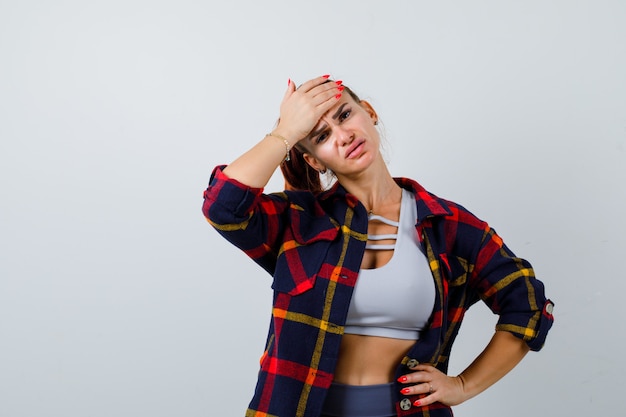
(116, 297)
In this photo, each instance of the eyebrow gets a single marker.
(321, 129)
(339, 110)
(313, 134)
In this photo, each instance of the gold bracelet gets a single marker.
(287, 147)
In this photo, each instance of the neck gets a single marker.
(377, 191)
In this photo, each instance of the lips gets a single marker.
(354, 150)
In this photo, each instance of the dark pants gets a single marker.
(359, 401)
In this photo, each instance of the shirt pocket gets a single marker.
(303, 252)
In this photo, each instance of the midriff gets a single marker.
(369, 360)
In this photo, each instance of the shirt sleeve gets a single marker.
(509, 287)
(246, 217)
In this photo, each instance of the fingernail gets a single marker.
(326, 75)
(417, 403)
(403, 379)
(405, 390)
(338, 96)
(338, 82)
(288, 82)
(340, 88)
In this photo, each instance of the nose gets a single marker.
(344, 136)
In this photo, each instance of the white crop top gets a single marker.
(397, 299)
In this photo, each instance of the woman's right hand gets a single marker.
(302, 108)
(300, 112)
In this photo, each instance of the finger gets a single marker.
(427, 400)
(421, 388)
(333, 86)
(423, 367)
(327, 94)
(423, 373)
(312, 83)
(322, 103)
(291, 87)
(326, 100)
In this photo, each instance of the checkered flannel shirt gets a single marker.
(313, 246)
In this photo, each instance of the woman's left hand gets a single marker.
(437, 386)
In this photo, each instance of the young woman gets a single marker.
(371, 276)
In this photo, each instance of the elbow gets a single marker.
(531, 327)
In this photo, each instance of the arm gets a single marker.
(234, 203)
(300, 111)
(502, 354)
(508, 286)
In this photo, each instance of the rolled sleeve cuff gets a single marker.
(228, 193)
(532, 328)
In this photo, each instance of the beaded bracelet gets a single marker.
(287, 147)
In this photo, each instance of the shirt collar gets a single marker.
(427, 204)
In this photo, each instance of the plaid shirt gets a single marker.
(313, 246)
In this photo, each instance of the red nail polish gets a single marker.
(405, 391)
(326, 75)
(403, 379)
(338, 96)
(417, 403)
(338, 82)
(288, 82)
(341, 88)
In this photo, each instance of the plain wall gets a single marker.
(118, 299)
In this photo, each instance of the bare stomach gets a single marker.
(369, 360)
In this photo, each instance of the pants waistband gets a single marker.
(360, 401)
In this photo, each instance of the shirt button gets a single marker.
(412, 362)
(405, 404)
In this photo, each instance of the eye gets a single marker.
(321, 138)
(345, 115)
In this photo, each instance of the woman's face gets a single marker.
(345, 139)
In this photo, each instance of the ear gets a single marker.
(313, 162)
(370, 110)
